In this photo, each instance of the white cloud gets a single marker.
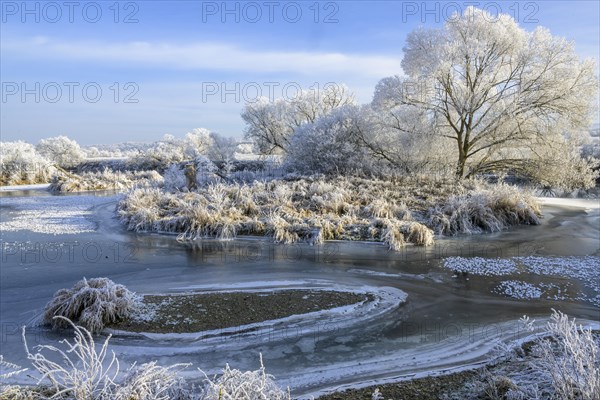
(205, 56)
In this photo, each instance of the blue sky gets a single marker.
(155, 67)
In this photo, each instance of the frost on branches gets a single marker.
(505, 98)
(61, 150)
(271, 123)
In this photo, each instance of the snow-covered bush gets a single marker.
(115, 150)
(197, 142)
(562, 364)
(189, 175)
(12, 392)
(560, 164)
(234, 384)
(270, 124)
(150, 381)
(175, 178)
(485, 209)
(61, 150)
(89, 372)
(161, 154)
(92, 303)
(20, 163)
(222, 148)
(331, 144)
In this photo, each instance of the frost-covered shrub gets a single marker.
(563, 364)
(150, 381)
(83, 372)
(570, 359)
(20, 163)
(16, 392)
(61, 150)
(330, 145)
(197, 142)
(270, 124)
(174, 178)
(12, 392)
(234, 384)
(161, 154)
(91, 303)
(189, 175)
(485, 209)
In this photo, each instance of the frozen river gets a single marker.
(50, 242)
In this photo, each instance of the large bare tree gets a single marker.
(505, 97)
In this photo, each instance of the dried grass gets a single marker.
(319, 209)
(92, 303)
(234, 384)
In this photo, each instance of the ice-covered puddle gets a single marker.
(585, 269)
(54, 215)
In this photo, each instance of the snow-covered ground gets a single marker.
(590, 204)
(13, 188)
(54, 215)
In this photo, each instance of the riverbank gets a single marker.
(186, 313)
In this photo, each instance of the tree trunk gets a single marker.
(462, 160)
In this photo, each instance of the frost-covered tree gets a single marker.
(271, 123)
(163, 152)
(197, 142)
(402, 137)
(222, 148)
(61, 150)
(20, 163)
(331, 144)
(499, 93)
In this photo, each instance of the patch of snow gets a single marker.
(54, 215)
(481, 266)
(585, 269)
(13, 188)
(526, 290)
(580, 203)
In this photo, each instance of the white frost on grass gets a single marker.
(53, 215)
(585, 269)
